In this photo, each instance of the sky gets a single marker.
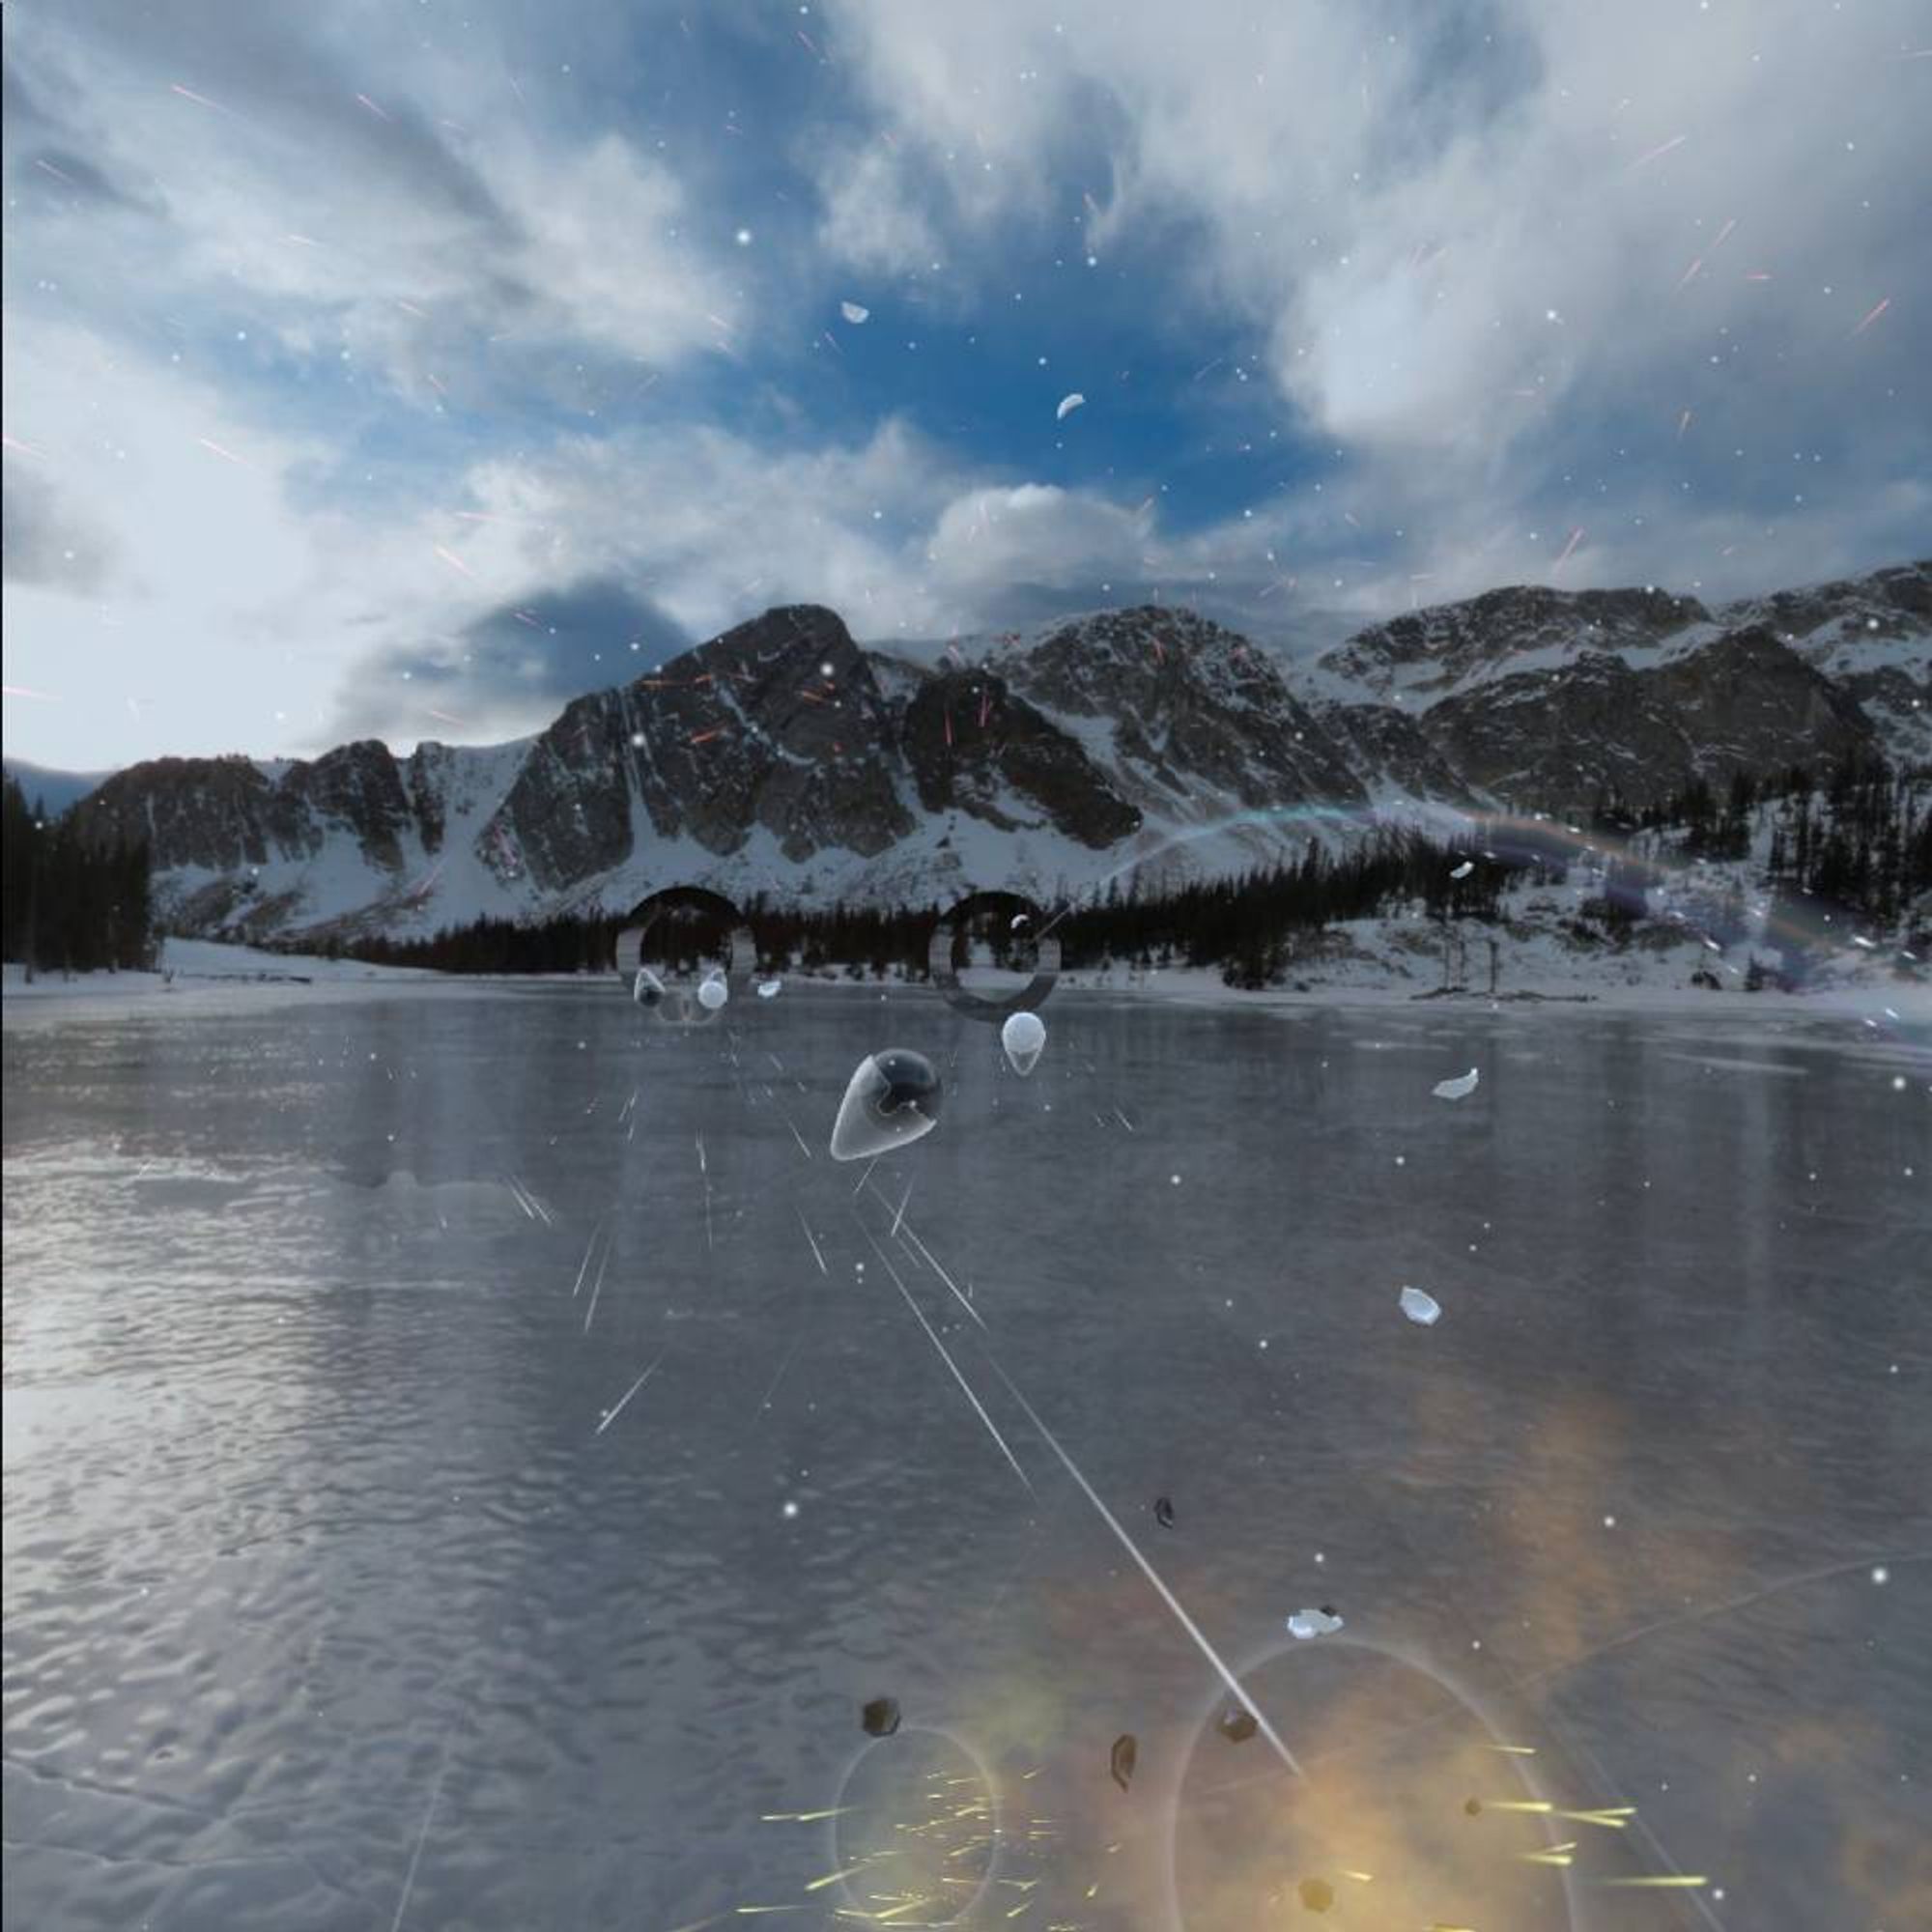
(402, 368)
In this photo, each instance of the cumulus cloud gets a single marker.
(1459, 236)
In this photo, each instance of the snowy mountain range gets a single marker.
(783, 758)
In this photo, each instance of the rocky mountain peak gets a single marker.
(1148, 655)
(1432, 651)
(781, 755)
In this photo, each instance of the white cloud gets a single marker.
(340, 219)
(870, 221)
(1429, 217)
(1461, 246)
(223, 621)
(1037, 535)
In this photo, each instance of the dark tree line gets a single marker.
(70, 904)
(1859, 841)
(1856, 840)
(1246, 924)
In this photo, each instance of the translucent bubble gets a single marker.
(647, 989)
(713, 993)
(1024, 1037)
(892, 1100)
(768, 989)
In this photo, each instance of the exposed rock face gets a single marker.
(1561, 738)
(1430, 652)
(1390, 752)
(217, 814)
(355, 788)
(1872, 636)
(782, 756)
(972, 745)
(1190, 706)
(778, 725)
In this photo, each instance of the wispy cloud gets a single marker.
(335, 336)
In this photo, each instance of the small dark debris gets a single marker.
(1237, 1725)
(881, 1717)
(1126, 1752)
(1474, 1807)
(1163, 1512)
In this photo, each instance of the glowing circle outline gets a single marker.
(978, 1006)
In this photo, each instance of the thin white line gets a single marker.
(628, 1393)
(422, 1838)
(978, 1408)
(1148, 1570)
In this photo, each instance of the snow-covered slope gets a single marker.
(782, 759)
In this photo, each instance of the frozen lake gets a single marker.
(337, 1596)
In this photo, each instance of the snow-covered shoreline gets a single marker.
(201, 974)
(205, 976)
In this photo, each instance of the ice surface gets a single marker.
(321, 1457)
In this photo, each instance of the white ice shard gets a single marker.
(1422, 1308)
(1313, 1623)
(768, 989)
(1458, 1088)
(1067, 404)
(1024, 1037)
(1463, 870)
(854, 312)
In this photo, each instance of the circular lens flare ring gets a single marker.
(1012, 909)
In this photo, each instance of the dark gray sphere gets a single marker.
(911, 1080)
